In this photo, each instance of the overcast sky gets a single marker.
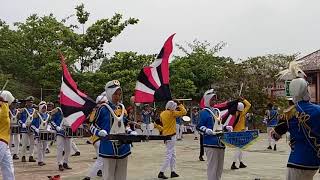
(249, 27)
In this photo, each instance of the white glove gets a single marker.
(133, 133)
(24, 125)
(36, 130)
(58, 128)
(103, 133)
(229, 128)
(209, 131)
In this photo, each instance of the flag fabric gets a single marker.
(240, 139)
(75, 105)
(153, 81)
(228, 111)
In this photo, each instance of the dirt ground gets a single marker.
(147, 157)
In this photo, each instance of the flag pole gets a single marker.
(4, 86)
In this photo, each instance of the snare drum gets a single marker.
(29, 130)
(46, 135)
(77, 134)
(15, 129)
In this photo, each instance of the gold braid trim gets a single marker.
(303, 118)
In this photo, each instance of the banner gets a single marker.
(240, 139)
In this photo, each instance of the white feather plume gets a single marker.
(294, 71)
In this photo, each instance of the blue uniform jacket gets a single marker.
(23, 119)
(273, 121)
(179, 120)
(303, 151)
(108, 149)
(146, 116)
(195, 118)
(207, 121)
(36, 123)
(56, 120)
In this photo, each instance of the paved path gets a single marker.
(146, 159)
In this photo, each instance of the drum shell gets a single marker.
(14, 129)
(77, 134)
(47, 136)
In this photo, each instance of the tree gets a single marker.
(198, 70)
(29, 51)
(125, 67)
(259, 73)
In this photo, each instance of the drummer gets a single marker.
(15, 136)
(40, 122)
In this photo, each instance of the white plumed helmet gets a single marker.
(7, 96)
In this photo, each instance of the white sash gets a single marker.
(43, 122)
(30, 116)
(217, 120)
(14, 118)
(115, 128)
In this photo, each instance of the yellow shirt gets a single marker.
(168, 120)
(4, 123)
(240, 126)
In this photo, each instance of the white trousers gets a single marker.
(194, 130)
(170, 157)
(115, 169)
(146, 129)
(15, 139)
(271, 141)
(27, 140)
(215, 158)
(6, 162)
(41, 150)
(74, 146)
(63, 144)
(98, 164)
(179, 130)
(299, 174)
(237, 155)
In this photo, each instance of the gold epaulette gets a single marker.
(289, 113)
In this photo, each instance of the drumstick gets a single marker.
(241, 86)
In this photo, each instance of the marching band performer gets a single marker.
(194, 121)
(14, 138)
(114, 153)
(75, 148)
(96, 169)
(63, 142)
(40, 122)
(242, 109)
(146, 115)
(6, 162)
(168, 121)
(179, 128)
(302, 121)
(271, 119)
(27, 137)
(213, 146)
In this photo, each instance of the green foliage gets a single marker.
(198, 70)
(29, 51)
(125, 67)
(82, 15)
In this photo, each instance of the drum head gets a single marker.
(155, 131)
(139, 131)
(186, 118)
